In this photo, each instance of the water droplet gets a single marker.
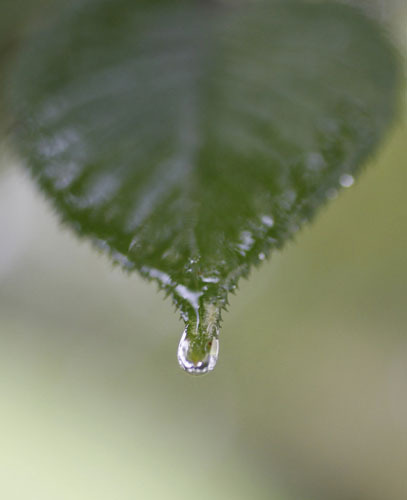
(189, 296)
(346, 180)
(210, 279)
(122, 259)
(161, 277)
(198, 354)
(247, 241)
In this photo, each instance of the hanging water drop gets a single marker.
(198, 354)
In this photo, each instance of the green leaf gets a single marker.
(15, 17)
(188, 139)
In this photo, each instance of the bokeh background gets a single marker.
(309, 398)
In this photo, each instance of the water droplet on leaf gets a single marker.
(267, 221)
(197, 353)
(346, 180)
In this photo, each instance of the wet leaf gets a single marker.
(188, 139)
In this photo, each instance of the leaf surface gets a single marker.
(188, 139)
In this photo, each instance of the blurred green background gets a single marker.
(309, 399)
